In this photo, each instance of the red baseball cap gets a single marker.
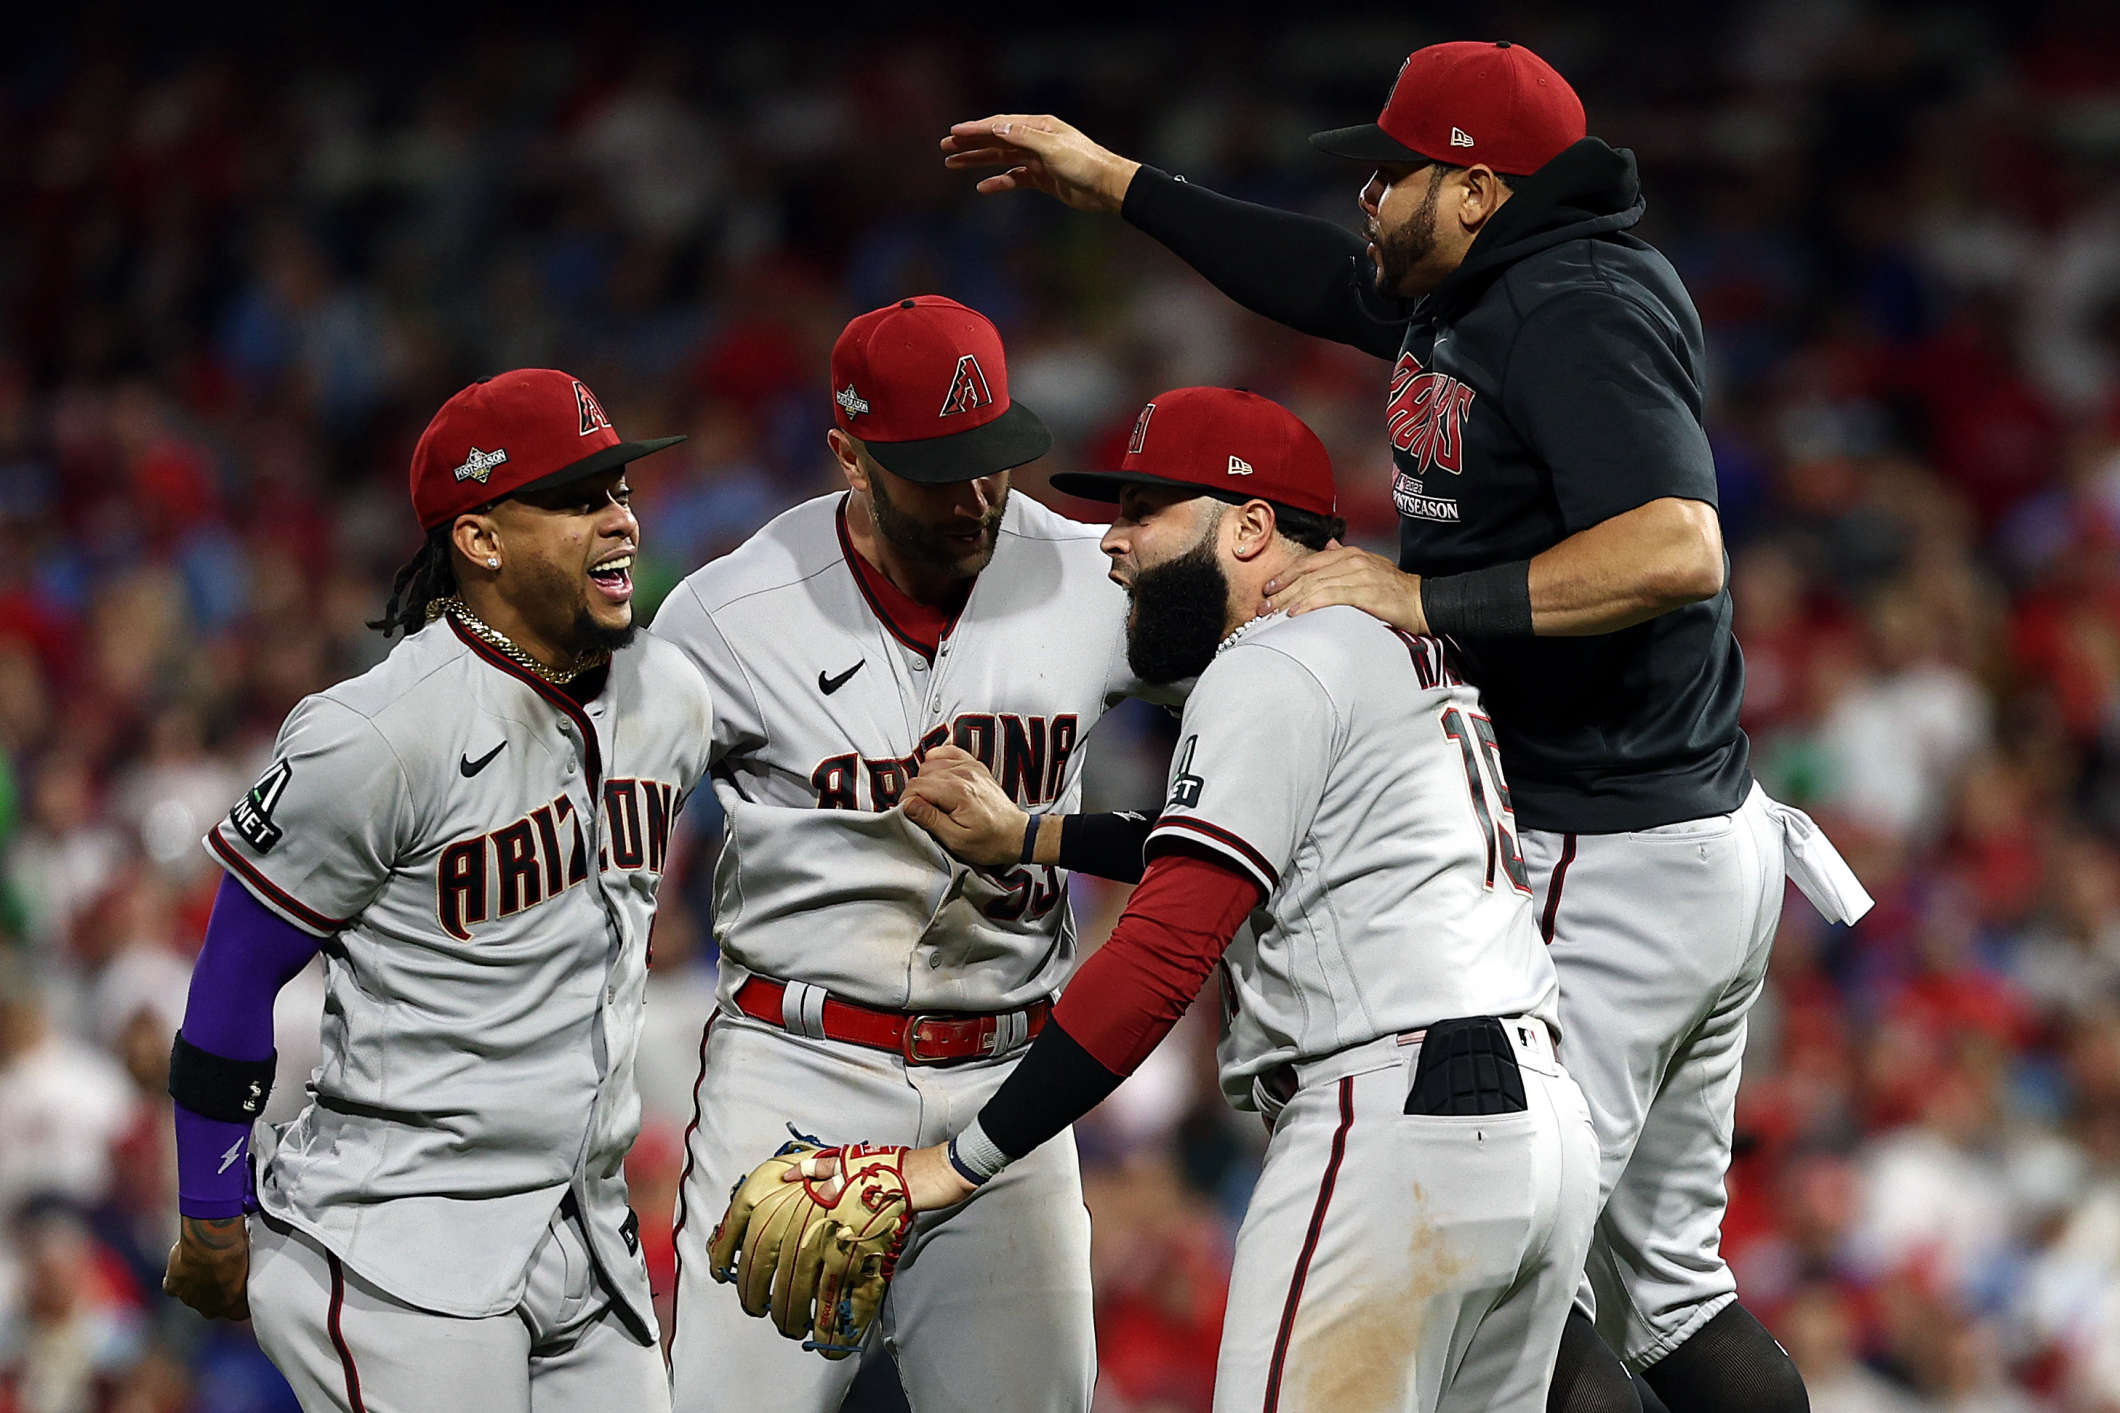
(1221, 442)
(1465, 103)
(923, 384)
(525, 430)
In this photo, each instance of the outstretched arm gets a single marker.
(1309, 274)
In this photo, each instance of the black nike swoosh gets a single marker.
(829, 685)
(472, 767)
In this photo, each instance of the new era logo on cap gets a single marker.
(1469, 103)
(1282, 461)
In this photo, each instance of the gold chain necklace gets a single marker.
(495, 638)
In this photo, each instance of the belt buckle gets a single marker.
(909, 1044)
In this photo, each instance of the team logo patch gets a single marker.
(1238, 466)
(479, 465)
(1140, 435)
(968, 388)
(850, 402)
(252, 816)
(592, 411)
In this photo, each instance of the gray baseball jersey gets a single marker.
(1351, 772)
(1390, 1257)
(483, 852)
(823, 709)
(822, 712)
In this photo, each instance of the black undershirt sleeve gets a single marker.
(1309, 274)
(1055, 1083)
(1105, 845)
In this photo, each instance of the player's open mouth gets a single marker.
(614, 578)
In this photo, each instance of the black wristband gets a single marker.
(216, 1087)
(1030, 840)
(1483, 603)
(1055, 1083)
(1105, 845)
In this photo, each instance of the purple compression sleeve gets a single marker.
(249, 954)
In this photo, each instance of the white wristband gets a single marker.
(975, 1156)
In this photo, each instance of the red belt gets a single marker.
(930, 1039)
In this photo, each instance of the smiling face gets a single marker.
(567, 563)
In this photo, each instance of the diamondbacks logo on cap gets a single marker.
(1133, 445)
(968, 389)
(851, 402)
(479, 465)
(1238, 466)
(1460, 138)
(592, 411)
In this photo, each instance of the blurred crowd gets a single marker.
(239, 273)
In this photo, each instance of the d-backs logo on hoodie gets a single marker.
(1426, 417)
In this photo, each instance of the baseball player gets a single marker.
(1557, 502)
(1431, 1181)
(472, 833)
(871, 984)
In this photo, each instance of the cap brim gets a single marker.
(1107, 485)
(1366, 142)
(1010, 440)
(597, 462)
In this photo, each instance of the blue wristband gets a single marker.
(1030, 839)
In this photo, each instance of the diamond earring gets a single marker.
(493, 563)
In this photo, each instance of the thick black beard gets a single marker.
(1179, 608)
(927, 546)
(1400, 252)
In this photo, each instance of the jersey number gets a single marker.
(1032, 892)
(1466, 728)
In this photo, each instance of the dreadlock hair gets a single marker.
(427, 576)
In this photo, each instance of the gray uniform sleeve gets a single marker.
(738, 724)
(315, 838)
(1259, 737)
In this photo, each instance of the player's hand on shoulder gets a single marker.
(209, 1267)
(959, 801)
(1038, 152)
(1340, 574)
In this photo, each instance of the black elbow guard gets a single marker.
(216, 1087)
